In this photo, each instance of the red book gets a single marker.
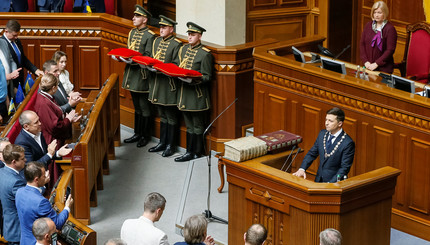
(280, 140)
(123, 52)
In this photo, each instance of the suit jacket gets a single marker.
(31, 205)
(54, 124)
(25, 63)
(10, 182)
(62, 101)
(18, 5)
(33, 152)
(142, 231)
(1, 209)
(339, 163)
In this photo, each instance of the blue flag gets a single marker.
(28, 83)
(87, 8)
(11, 107)
(19, 97)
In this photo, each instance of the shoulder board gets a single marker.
(206, 49)
(177, 40)
(153, 33)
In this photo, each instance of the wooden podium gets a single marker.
(295, 210)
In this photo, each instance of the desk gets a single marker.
(390, 127)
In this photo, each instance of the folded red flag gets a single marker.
(123, 52)
(173, 70)
(146, 60)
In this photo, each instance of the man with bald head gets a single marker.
(256, 235)
(31, 138)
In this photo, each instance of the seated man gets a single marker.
(256, 235)
(142, 230)
(43, 229)
(10, 181)
(31, 205)
(31, 138)
(66, 101)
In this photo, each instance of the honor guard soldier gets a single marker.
(136, 78)
(193, 95)
(163, 89)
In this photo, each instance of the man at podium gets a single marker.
(334, 147)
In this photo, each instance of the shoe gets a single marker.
(132, 139)
(186, 157)
(170, 150)
(159, 147)
(142, 142)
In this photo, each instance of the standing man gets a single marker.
(31, 205)
(256, 235)
(163, 89)
(10, 181)
(11, 33)
(4, 141)
(136, 78)
(334, 147)
(142, 231)
(193, 98)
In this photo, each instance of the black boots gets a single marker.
(194, 148)
(145, 133)
(171, 141)
(161, 146)
(137, 130)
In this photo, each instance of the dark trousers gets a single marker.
(142, 106)
(194, 121)
(168, 114)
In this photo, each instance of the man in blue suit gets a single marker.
(31, 205)
(4, 141)
(13, 6)
(334, 147)
(10, 181)
(31, 138)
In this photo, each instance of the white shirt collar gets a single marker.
(32, 135)
(7, 39)
(337, 133)
(45, 93)
(39, 189)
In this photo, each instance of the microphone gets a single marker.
(341, 52)
(325, 51)
(210, 125)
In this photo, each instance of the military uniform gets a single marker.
(163, 90)
(193, 98)
(136, 81)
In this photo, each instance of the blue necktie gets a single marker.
(18, 54)
(328, 143)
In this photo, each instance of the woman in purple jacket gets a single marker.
(378, 40)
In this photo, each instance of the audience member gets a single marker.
(195, 232)
(256, 235)
(11, 34)
(10, 181)
(142, 230)
(44, 230)
(193, 100)
(31, 205)
(61, 59)
(115, 241)
(4, 141)
(330, 236)
(50, 5)
(31, 138)
(13, 6)
(64, 100)
(54, 124)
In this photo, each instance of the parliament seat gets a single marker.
(416, 60)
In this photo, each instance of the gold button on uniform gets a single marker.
(155, 100)
(183, 106)
(128, 86)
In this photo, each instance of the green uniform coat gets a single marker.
(195, 96)
(135, 77)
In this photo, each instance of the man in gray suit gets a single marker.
(66, 101)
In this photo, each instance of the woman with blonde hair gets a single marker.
(378, 40)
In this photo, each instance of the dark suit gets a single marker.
(337, 164)
(61, 99)
(33, 152)
(25, 63)
(10, 182)
(18, 5)
(31, 205)
(1, 209)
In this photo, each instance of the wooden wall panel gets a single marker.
(382, 146)
(70, 59)
(46, 52)
(279, 28)
(419, 179)
(89, 66)
(279, 115)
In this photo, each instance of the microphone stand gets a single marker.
(341, 52)
(208, 214)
